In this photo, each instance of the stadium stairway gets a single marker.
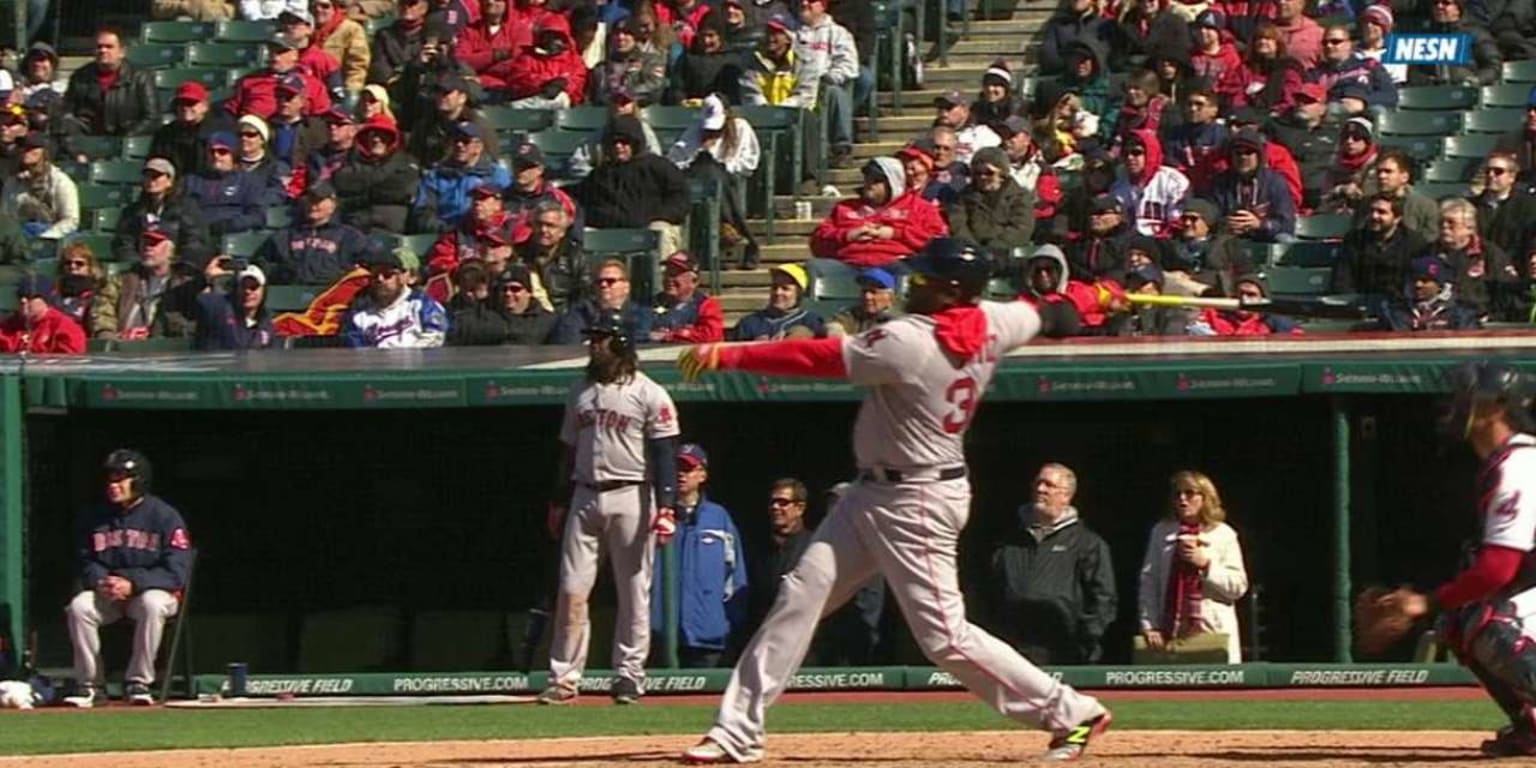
(744, 291)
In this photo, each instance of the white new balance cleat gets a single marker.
(709, 752)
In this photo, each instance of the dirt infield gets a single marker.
(1165, 749)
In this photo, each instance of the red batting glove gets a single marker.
(664, 525)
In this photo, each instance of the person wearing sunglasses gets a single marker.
(1254, 200)
(1428, 300)
(157, 296)
(1152, 193)
(256, 93)
(994, 211)
(527, 320)
(608, 293)
(1506, 210)
(444, 199)
(1192, 574)
(391, 314)
(38, 326)
(1343, 66)
(1352, 168)
(230, 198)
(162, 205)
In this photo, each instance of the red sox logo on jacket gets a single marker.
(128, 538)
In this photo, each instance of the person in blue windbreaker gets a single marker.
(710, 577)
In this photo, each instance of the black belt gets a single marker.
(610, 485)
(897, 476)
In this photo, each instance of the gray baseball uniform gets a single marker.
(903, 519)
(609, 425)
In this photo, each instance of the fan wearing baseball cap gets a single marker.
(711, 576)
(549, 74)
(298, 25)
(775, 75)
(316, 249)
(256, 93)
(953, 110)
(877, 298)
(38, 326)
(159, 206)
(184, 140)
(236, 318)
(684, 312)
(485, 234)
(157, 296)
(443, 199)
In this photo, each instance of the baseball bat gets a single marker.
(1346, 307)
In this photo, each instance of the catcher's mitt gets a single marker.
(1381, 618)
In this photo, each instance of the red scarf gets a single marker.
(961, 330)
(1354, 164)
(1181, 600)
(326, 29)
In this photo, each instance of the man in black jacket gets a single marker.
(554, 255)
(635, 189)
(184, 141)
(162, 206)
(135, 558)
(377, 182)
(1312, 140)
(528, 322)
(1053, 580)
(109, 96)
(1376, 255)
(1506, 214)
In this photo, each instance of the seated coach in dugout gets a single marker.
(1052, 580)
(135, 557)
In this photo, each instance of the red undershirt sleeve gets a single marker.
(1494, 568)
(817, 358)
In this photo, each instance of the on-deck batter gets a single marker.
(620, 430)
(926, 372)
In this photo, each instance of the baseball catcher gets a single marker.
(1487, 613)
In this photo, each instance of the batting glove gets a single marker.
(664, 525)
(697, 359)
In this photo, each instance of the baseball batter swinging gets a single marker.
(1488, 611)
(620, 431)
(926, 372)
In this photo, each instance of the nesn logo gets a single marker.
(1428, 49)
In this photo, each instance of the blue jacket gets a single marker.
(445, 189)
(1266, 195)
(220, 326)
(711, 578)
(147, 544)
(306, 255)
(234, 201)
(772, 324)
(580, 316)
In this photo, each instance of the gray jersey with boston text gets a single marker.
(609, 425)
(919, 402)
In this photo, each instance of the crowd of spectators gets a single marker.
(1159, 146)
(1047, 588)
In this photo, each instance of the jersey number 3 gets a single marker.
(961, 394)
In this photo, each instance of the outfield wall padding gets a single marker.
(662, 682)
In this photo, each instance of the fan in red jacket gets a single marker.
(489, 45)
(550, 66)
(1241, 322)
(1069, 307)
(684, 312)
(487, 233)
(684, 16)
(881, 225)
(39, 327)
(256, 93)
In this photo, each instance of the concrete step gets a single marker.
(909, 123)
(741, 303)
(784, 229)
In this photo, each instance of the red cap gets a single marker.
(914, 153)
(191, 90)
(154, 237)
(1314, 91)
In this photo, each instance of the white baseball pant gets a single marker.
(89, 611)
(908, 532)
(618, 521)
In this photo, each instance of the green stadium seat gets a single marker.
(100, 243)
(1476, 145)
(156, 55)
(637, 248)
(38, 249)
(778, 131)
(374, 25)
(1304, 281)
(9, 301)
(1322, 227)
(291, 298)
(582, 119)
(1262, 254)
(240, 31)
(137, 147)
(1494, 121)
(176, 31)
(509, 119)
(1309, 253)
(279, 216)
(243, 244)
(1506, 95)
(1420, 148)
(1452, 169)
(210, 77)
(1001, 289)
(418, 245)
(559, 143)
(96, 147)
(1418, 123)
(832, 280)
(105, 219)
(225, 55)
(93, 196)
(1440, 190)
(117, 172)
(1519, 72)
(670, 119)
(1438, 97)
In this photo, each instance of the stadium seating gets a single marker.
(225, 55)
(505, 119)
(1475, 146)
(1307, 253)
(637, 248)
(291, 298)
(1299, 281)
(1448, 169)
(1440, 190)
(1418, 123)
(832, 280)
(1420, 148)
(100, 243)
(582, 119)
(1438, 97)
(97, 147)
(1508, 95)
(155, 55)
(243, 244)
(1494, 120)
(116, 172)
(240, 31)
(93, 196)
(176, 31)
(1322, 227)
(1519, 71)
(105, 219)
(137, 147)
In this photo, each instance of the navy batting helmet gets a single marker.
(127, 461)
(952, 260)
(610, 323)
(1486, 382)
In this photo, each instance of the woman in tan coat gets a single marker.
(344, 39)
(1193, 574)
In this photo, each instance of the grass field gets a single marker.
(129, 729)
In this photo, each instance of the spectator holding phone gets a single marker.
(237, 319)
(1193, 573)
